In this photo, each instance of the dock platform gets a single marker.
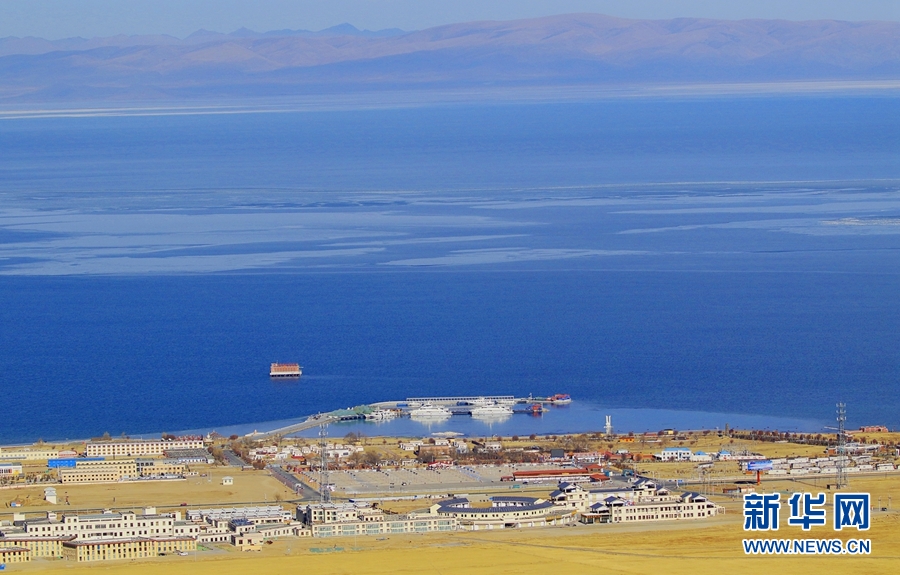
(457, 405)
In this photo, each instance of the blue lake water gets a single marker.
(653, 258)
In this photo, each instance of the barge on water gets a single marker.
(285, 370)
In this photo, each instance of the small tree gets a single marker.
(372, 457)
(356, 458)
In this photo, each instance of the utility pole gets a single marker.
(324, 493)
(841, 476)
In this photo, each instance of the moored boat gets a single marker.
(430, 411)
(381, 415)
(491, 411)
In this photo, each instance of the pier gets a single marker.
(462, 400)
(309, 423)
(458, 405)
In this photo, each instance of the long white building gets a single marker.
(343, 519)
(684, 506)
(140, 447)
(641, 500)
(109, 526)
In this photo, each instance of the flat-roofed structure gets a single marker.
(160, 467)
(38, 546)
(345, 519)
(140, 447)
(27, 454)
(10, 469)
(136, 548)
(70, 462)
(190, 455)
(15, 555)
(261, 515)
(101, 526)
(248, 540)
(572, 474)
(674, 454)
(108, 474)
(99, 471)
(137, 534)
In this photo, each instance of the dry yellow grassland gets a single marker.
(256, 487)
(697, 548)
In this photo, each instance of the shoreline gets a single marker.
(582, 416)
(578, 417)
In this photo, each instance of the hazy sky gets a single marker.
(65, 18)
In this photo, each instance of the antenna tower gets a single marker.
(324, 492)
(840, 479)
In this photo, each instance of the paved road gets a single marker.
(289, 479)
(232, 459)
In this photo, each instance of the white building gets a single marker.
(10, 469)
(107, 526)
(570, 494)
(499, 512)
(27, 454)
(344, 519)
(684, 506)
(262, 515)
(139, 448)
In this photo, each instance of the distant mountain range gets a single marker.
(577, 49)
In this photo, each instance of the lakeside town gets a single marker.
(124, 499)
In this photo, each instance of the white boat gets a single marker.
(381, 415)
(483, 401)
(491, 411)
(430, 411)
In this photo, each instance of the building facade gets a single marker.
(10, 469)
(474, 513)
(27, 454)
(131, 548)
(99, 471)
(346, 519)
(160, 467)
(684, 506)
(14, 555)
(50, 547)
(103, 526)
(139, 448)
